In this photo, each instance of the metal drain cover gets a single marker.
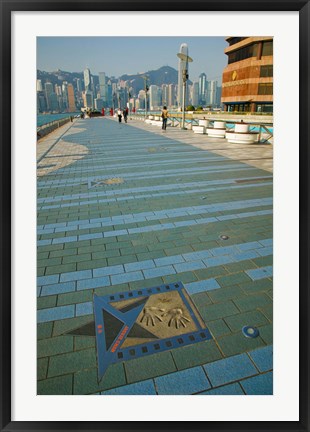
(224, 237)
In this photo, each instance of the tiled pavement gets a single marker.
(159, 219)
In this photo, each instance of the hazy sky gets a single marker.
(128, 55)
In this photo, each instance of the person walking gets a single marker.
(164, 116)
(125, 114)
(119, 115)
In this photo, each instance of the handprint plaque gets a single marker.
(138, 323)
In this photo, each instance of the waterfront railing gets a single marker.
(47, 128)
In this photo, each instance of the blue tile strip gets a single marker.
(263, 358)
(229, 370)
(184, 382)
(140, 388)
(259, 385)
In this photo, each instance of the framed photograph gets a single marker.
(154, 233)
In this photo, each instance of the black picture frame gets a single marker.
(7, 7)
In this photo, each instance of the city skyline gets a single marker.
(117, 56)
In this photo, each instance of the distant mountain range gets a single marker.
(163, 75)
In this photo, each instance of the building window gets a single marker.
(267, 48)
(265, 89)
(235, 40)
(266, 71)
(243, 53)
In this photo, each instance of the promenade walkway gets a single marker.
(128, 215)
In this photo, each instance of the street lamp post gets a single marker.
(185, 58)
(114, 97)
(146, 89)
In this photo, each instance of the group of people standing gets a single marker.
(121, 114)
(124, 113)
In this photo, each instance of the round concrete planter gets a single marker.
(151, 117)
(156, 118)
(199, 129)
(189, 126)
(242, 137)
(218, 130)
(219, 125)
(241, 128)
(216, 133)
(204, 123)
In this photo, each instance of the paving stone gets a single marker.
(46, 302)
(230, 389)
(76, 258)
(141, 388)
(237, 343)
(259, 385)
(266, 333)
(254, 301)
(267, 311)
(186, 277)
(149, 367)
(83, 342)
(201, 299)
(42, 368)
(257, 286)
(252, 318)
(196, 354)
(233, 279)
(218, 328)
(63, 326)
(218, 310)
(71, 362)
(59, 288)
(122, 260)
(56, 313)
(63, 268)
(86, 381)
(54, 346)
(229, 293)
(229, 369)
(211, 272)
(74, 298)
(184, 382)
(145, 283)
(75, 276)
(263, 358)
(44, 330)
(56, 386)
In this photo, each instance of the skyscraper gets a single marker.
(195, 93)
(202, 89)
(39, 85)
(87, 79)
(79, 85)
(165, 98)
(48, 88)
(154, 95)
(71, 98)
(171, 95)
(102, 87)
(183, 65)
(212, 92)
